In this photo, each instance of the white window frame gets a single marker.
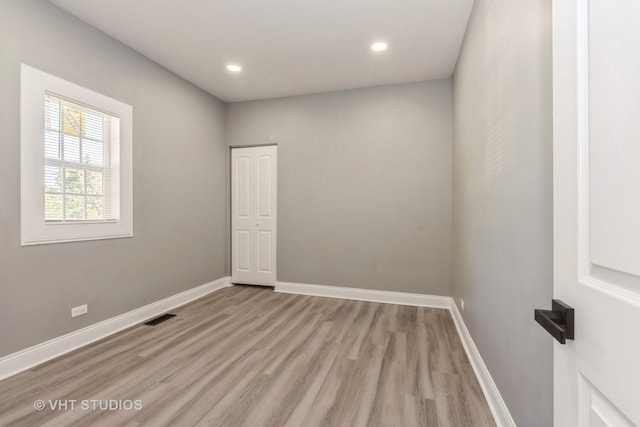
(34, 229)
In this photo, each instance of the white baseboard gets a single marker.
(33, 356)
(492, 394)
(370, 295)
(494, 398)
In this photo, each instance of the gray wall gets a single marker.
(364, 184)
(180, 181)
(502, 258)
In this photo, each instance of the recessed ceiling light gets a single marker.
(235, 68)
(379, 47)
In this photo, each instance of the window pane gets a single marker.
(71, 149)
(52, 207)
(93, 126)
(53, 179)
(93, 182)
(74, 207)
(52, 114)
(72, 122)
(92, 152)
(95, 208)
(52, 145)
(74, 181)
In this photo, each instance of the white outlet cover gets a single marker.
(79, 311)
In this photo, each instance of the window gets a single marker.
(79, 182)
(76, 162)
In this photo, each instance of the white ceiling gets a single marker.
(286, 47)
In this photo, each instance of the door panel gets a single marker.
(253, 215)
(614, 127)
(264, 255)
(265, 187)
(597, 410)
(243, 249)
(596, 45)
(243, 179)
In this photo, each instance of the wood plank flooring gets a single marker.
(247, 356)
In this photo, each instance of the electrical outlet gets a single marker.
(79, 310)
(462, 304)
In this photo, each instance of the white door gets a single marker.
(596, 76)
(253, 215)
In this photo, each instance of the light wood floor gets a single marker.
(247, 356)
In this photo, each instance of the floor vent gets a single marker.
(159, 319)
